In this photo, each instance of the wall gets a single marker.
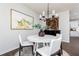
(8, 37)
(64, 25)
(74, 25)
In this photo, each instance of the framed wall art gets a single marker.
(21, 21)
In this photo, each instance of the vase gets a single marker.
(41, 33)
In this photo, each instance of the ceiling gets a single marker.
(59, 7)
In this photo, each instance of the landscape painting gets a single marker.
(20, 21)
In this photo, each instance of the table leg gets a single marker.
(35, 47)
(44, 44)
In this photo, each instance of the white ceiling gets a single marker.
(59, 7)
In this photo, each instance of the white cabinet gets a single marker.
(74, 33)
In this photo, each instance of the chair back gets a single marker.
(55, 45)
(20, 39)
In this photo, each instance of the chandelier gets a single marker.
(44, 17)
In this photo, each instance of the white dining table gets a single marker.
(37, 39)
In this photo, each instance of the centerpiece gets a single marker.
(41, 27)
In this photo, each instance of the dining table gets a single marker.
(38, 39)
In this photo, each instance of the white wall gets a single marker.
(64, 25)
(74, 24)
(8, 37)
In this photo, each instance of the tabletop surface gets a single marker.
(38, 39)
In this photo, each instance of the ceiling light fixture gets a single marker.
(45, 17)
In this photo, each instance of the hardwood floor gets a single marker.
(11, 53)
(71, 48)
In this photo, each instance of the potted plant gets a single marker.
(41, 32)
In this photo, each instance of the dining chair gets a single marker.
(52, 49)
(24, 44)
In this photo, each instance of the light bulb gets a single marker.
(40, 16)
(56, 15)
(53, 12)
(43, 13)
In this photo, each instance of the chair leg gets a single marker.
(36, 54)
(19, 50)
(61, 50)
(59, 54)
(32, 51)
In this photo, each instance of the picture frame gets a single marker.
(20, 20)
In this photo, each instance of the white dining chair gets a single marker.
(53, 49)
(24, 44)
